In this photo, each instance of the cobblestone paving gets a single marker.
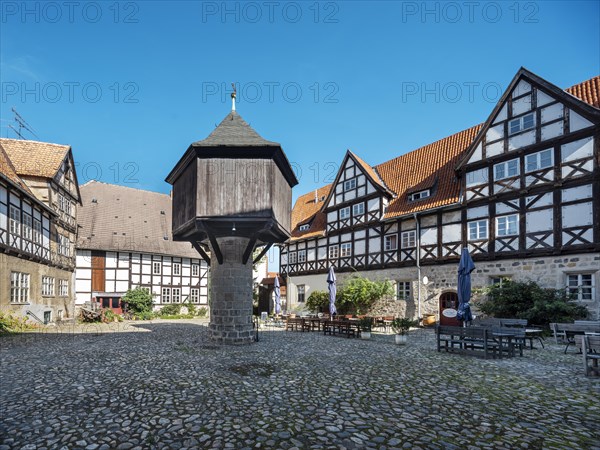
(164, 385)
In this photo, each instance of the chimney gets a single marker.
(316, 196)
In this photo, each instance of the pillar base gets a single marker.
(231, 295)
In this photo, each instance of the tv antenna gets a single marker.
(22, 124)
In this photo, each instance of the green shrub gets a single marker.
(528, 300)
(138, 301)
(358, 293)
(12, 324)
(145, 315)
(403, 324)
(318, 301)
(202, 311)
(170, 310)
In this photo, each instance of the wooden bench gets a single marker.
(467, 341)
(570, 330)
(342, 327)
(590, 349)
(294, 324)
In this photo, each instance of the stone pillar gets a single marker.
(231, 294)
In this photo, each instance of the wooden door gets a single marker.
(448, 308)
(98, 279)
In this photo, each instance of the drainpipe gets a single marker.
(418, 259)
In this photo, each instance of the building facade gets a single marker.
(125, 242)
(520, 191)
(38, 228)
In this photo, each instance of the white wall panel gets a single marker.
(521, 140)
(577, 193)
(577, 149)
(542, 220)
(577, 215)
(576, 122)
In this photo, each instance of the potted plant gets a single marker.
(365, 324)
(400, 326)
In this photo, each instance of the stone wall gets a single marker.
(550, 272)
(37, 304)
(231, 294)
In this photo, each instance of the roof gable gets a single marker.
(33, 158)
(526, 92)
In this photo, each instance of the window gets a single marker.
(166, 295)
(478, 229)
(301, 293)
(292, 258)
(64, 245)
(358, 209)
(346, 250)
(507, 225)
(506, 169)
(345, 212)
(301, 256)
(59, 315)
(195, 295)
(419, 195)
(27, 226)
(539, 160)
(403, 290)
(349, 184)
(176, 295)
(304, 227)
(176, 269)
(195, 270)
(47, 286)
(390, 242)
(156, 268)
(522, 123)
(581, 286)
(15, 220)
(63, 288)
(37, 231)
(334, 251)
(19, 287)
(498, 280)
(408, 239)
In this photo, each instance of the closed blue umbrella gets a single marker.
(465, 267)
(332, 291)
(277, 296)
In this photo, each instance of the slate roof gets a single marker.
(127, 219)
(33, 158)
(429, 167)
(233, 131)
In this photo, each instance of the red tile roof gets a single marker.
(431, 166)
(33, 158)
(8, 170)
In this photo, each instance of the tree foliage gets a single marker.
(318, 301)
(138, 301)
(358, 293)
(528, 300)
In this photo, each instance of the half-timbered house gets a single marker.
(521, 191)
(38, 227)
(125, 242)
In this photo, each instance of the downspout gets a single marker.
(418, 259)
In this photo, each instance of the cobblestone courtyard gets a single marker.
(164, 385)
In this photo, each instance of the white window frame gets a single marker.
(155, 265)
(507, 219)
(292, 258)
(536, 158)
(345, 250)
(350, 184)
(176, 268)
(301, 293)
(37, 231)
(477, 229)
(419, 195)
(27, 226)
(301, 256)
(582, 291)
(176, 295)
(195, 270)
(47, 286)
(505, 169)
(14, 220)
(390, 242)
(63, 288)
(333, 252)
(166, 295)
(358, 209)
(345, 213)
(64, 245)
(304, 227)
(498, 279)
(408, 237)
(403, 290)
(195, 295)
(519, 123)
(19, 287)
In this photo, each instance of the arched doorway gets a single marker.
(448, 308)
